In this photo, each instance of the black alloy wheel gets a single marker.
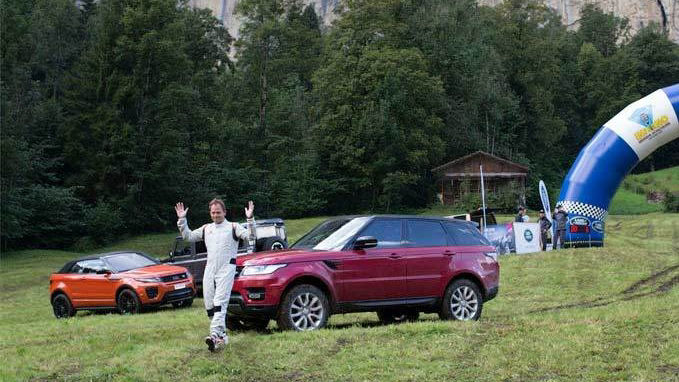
(128, 302)
(62, 306)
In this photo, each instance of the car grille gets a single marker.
(177, 277)
(178, 294)
(235, 298)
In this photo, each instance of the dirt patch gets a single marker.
(294, 376)
(670, 370)
(669, 285)
(68, 371)
(650, 280)
(650, 231)
(339, 345)
(633, 292)
(601, 301)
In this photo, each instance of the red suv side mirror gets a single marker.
(364, 242)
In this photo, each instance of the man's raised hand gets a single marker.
(181, 212)
(250, 209)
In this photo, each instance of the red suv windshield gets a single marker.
(331, 235)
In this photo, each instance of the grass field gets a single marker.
(604, 314)
(666, 179)
(631, 196)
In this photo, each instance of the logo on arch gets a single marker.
(643, 116)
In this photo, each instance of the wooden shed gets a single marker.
(462, 176)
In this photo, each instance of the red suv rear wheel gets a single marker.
(462, 301)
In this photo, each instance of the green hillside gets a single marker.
(631, 197)
(661, 180)
(605, 314)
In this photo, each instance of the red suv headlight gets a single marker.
(253, 270)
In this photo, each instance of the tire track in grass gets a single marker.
(646, 287)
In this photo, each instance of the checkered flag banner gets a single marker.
(584, 209)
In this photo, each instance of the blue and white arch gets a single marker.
(613, 152)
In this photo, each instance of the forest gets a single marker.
(114, 110)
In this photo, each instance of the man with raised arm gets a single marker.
(221, 240)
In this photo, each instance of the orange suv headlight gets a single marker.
(149, 279)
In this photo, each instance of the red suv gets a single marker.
(397, 266)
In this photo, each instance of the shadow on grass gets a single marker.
(344, 325)
(144, 310)
(656, 284)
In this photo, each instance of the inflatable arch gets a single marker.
(629, 137)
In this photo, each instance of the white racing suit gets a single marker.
(220, 268)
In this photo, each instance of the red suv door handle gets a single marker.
(448, 253)
(394, 256)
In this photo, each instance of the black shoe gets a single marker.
(210, 341)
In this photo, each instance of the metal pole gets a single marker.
(483, 198)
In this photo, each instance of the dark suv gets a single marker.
(395, 265)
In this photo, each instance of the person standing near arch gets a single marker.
(221, 240)
(560, 220)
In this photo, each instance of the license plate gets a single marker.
(179, 286)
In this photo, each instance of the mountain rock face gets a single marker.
(639, 12)
(224, 10)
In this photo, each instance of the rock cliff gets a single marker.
(639, 12)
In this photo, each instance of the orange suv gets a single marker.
(125, 281)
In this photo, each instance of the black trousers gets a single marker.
(544, 241)
(558, 238)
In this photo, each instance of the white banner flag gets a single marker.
(545, 200)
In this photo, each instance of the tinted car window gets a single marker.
(338, 239)
(387, 232)
(76, 268)
(426, 233)
(465, 234)
(88, 266)
(332, 234)
(122, 262)
(319, 233)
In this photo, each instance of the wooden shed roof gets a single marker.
(516, 168)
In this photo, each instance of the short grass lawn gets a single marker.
(600, 314)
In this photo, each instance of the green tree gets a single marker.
(603, 30)
(40, 42)
(381, 112)
(278, 50)
(657, 60)
(143, 105)
(457, 43)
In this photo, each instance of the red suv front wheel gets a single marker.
(304, 307)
